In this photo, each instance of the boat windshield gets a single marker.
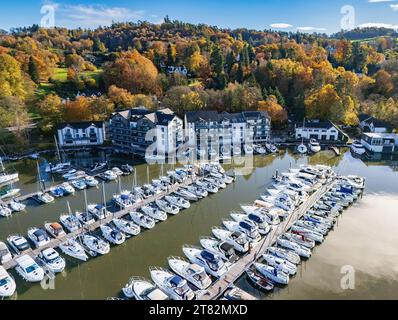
(31, 268)
(4, 281)
(179, 285)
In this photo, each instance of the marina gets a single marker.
(235, 273)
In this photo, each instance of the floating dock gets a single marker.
(54, 243)
(217, 289)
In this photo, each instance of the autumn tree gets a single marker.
(51, 110)
(11, 77)
(277, 113)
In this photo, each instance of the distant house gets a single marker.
(321, 131)
(77, 134)
(380, 142)
(370, 124)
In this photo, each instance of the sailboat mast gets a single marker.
(85, 200)
(39, 177)
(103, 194)
(57, 147)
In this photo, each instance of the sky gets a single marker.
(326, 16)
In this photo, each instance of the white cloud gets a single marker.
(379, 1)
(280, 25)
(394, 7)
(378, 25)
(310, 29)
(87, 16)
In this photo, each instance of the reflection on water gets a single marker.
(365, 237)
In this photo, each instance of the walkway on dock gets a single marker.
(54, 243)
(237, 270)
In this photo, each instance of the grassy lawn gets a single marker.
(60, 74)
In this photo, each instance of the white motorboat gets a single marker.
(57, 192)
(17, 206)
(117, 171)
(98, 211)
(288, 255)
(178, 201)
(28, 269)
(79, 184)
(167, 207)
(57, 167)
(7, 284)
(237, 239)
(18, 243)
(263, 227)
(197, 191)
(5, 211)
(193, 273)
(5, 254)
(260, 150)
(216, 182)
(38, 236)
(312, 226)
(223, 249)
(314, 146)
(289, 245)
(127, 227)
(209, 187)
(9, 192)
(113, 235)
(70, 222)
(270, 217)
(213, 263)
(280, 264)
(122, 201)
(91, 181)
(44, 198)
(326, 222)
(154, 213)
(272, 273)
(73, 249)
(174, 286)
(109, 176)
(68, 189)
(142, 289)
(280, 201)
(142, 220)
(52, 260)
(247, 227)
(300, 240)
(69, 174)
(358, 148)
(85, 218)
(54, 229)
(96, 244)
(227, 179)
(309, 234)
(186, 195)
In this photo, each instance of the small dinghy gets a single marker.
(142, 220)
(52, 260)
(127, 227)
(96, 244)
(113, 235)
(73, 249)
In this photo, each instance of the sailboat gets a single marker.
(59, 166)
(41, 196)
(302, 148)
(5, 177)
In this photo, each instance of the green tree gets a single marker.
(33, 70)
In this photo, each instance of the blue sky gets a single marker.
(289, 15)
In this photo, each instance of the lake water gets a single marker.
(365, 238)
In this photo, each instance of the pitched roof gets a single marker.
(164, 118)
(81, 125)
(194, 116)
(316, 124)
